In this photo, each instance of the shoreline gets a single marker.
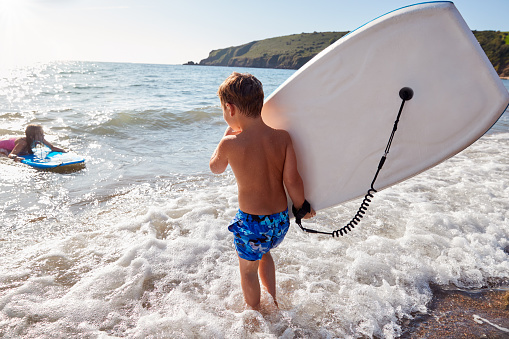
(455, 313)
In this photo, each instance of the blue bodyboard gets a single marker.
(52, 160)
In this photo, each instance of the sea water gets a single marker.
(136, 244)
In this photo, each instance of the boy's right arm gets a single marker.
(219, 160)
(293, 181)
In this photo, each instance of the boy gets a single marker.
(262, 159)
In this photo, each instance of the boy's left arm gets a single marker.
(293, 181)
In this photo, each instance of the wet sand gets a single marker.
(456, 313)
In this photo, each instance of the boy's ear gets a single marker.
(232, 109)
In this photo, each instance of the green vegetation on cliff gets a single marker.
(496, 46)
(293, 51)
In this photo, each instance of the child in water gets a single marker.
(14, 148)
(262, 159)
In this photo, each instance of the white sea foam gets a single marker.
(159, 262)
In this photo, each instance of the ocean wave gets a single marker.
(156, 119)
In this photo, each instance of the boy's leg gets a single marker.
(249, 281)
(267, 271)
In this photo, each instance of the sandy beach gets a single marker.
(456, 313)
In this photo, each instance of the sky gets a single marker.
(175, 32)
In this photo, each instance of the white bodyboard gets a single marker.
(340, 107)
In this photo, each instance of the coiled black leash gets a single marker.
(406, 93)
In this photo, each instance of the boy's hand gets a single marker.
(305, 206)
(310, 214)
(230, 131)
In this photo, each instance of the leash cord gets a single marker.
(406, 93)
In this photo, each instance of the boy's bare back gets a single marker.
(262, 158)
(257, 157)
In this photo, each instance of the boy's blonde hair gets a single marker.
(244, 91)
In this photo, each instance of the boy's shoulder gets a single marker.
(274, 134)
(281, 133)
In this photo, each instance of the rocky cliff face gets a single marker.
(293, 51)
(268, 61)
(290, 52)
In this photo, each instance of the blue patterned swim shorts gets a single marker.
(255, 235)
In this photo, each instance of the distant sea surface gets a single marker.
(136, 243)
